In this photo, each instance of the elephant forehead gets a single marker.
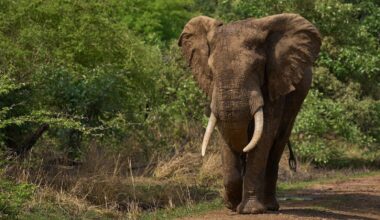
(244, 34)
(232, 90)
(238, 27)
(233, 61)
(234, 43)
(230, 50)
(229, 40)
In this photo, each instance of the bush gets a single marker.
(321, 116)
(13, 197)
(79, 62)
(157, 21)
(334, 111)
(317, 150)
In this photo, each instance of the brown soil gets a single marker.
(357, 198)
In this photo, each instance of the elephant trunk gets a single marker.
(259, 124)
(238, 110)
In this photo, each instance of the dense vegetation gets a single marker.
(109, 74)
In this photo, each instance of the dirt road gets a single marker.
(357, 198)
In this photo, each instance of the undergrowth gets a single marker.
(13, 196)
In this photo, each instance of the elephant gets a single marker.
(256, 74)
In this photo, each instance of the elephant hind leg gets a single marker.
(293, 105)
(232, 193)
(271, 174)
(274, 158)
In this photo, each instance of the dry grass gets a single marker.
(210, 173)
(114, 185)
(305, 170)
(47, 200)
(180, 167)
(107, 182)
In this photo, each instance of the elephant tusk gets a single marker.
(210, 128)
(259, 124)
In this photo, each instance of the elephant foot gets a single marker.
(272, 204)
(231, 202)
(230, 206)
(251, 206)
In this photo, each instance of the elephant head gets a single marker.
(243, 64)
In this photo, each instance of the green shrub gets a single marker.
(317, 150)
(323, 120)
(157, 21)
(321, 116)
(80, 64)
(13, 197)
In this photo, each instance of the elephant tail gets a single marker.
(292, 158)
(243, 163)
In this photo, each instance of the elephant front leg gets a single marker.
(232, 178)
(253, 184)
(254, 179)
(256, 163)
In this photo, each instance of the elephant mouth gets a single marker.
(257, 133)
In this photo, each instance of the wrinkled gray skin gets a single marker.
(245, 67)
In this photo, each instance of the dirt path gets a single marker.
(357, 198)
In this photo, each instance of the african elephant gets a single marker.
(256, 73)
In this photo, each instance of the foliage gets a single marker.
(157, 21)
(333, 110)
(87, 67)
(13, 197)
(6, 85)
(324, 116)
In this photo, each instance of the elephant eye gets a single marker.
(249, 44)
(186, 36)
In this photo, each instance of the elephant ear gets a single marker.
(194, 42)
(293, 44)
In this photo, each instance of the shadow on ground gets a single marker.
(356, 198)
(338, 203)
(308, 212)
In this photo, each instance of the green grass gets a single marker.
(288, 186)
(13, 196)
(54, 211)
(191, 210)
